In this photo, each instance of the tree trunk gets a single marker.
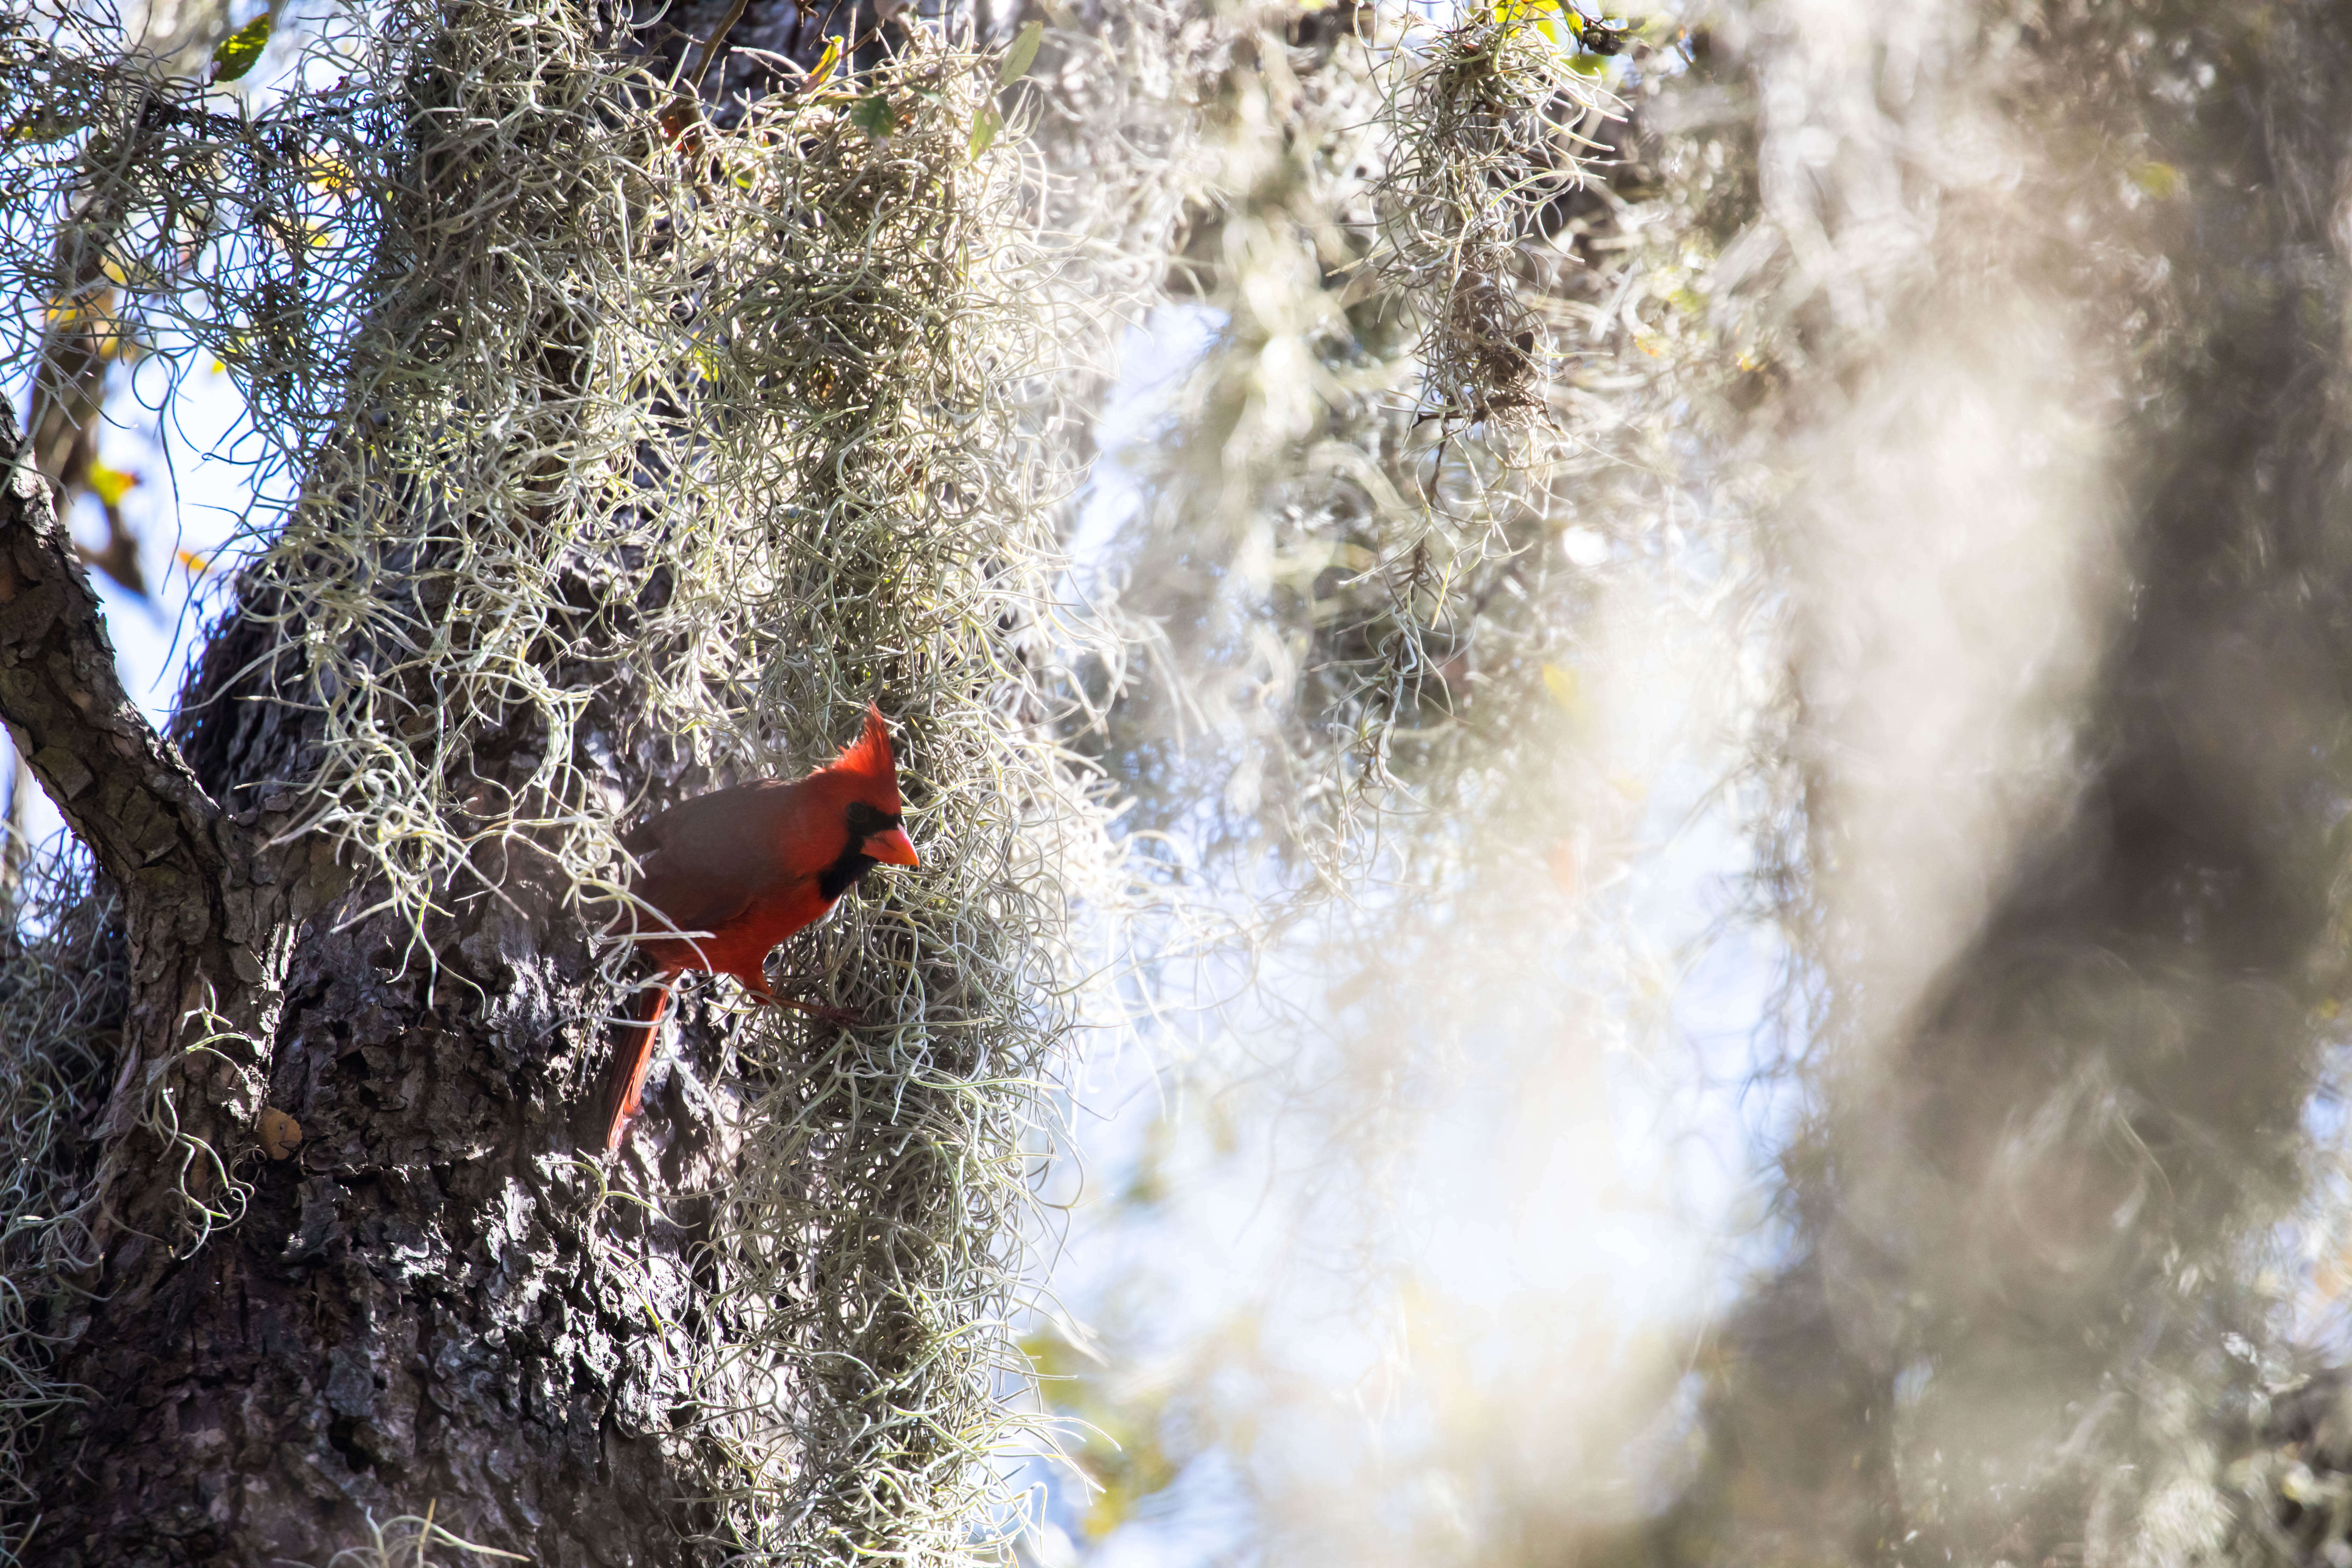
(405, 1289)
(419, 1304)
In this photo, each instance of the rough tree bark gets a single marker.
(422, 1302)
(409, 1311)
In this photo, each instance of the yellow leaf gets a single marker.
(328, 176)
(1563, 685)
(110, 484)
(1544, 13)
(197, 565)
(2161, 181)
(92, 308)
(825, 64)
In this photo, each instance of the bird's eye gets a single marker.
(864, 822)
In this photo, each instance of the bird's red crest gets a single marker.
(869, 755)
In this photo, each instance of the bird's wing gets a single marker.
(708, 860)
(692, 897)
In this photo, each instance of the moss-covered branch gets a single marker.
(122, 786)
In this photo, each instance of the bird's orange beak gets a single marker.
(892, 848)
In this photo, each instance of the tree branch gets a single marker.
(124, 788)
(201, 906)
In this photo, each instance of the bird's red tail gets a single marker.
(633, 1052)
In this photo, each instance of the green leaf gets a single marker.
(47, 124)
(236, 55)
(985, 127)
(1021, 54)
(874, 116)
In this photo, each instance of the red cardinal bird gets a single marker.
(750, 866)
